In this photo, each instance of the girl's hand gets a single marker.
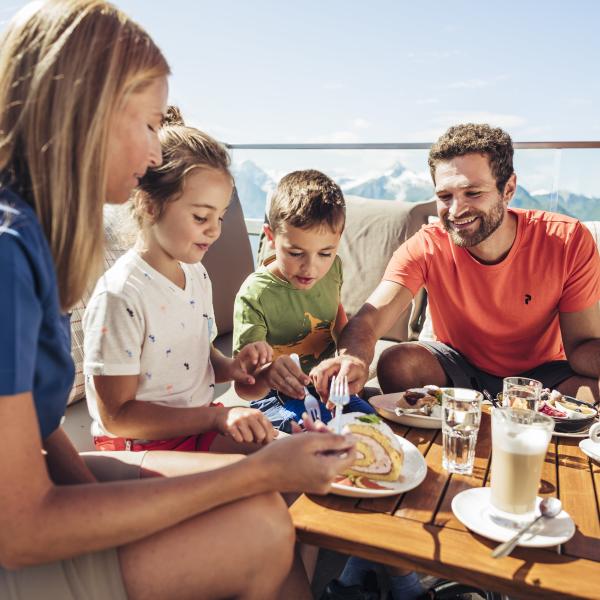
(249, 360)
(287, 377)
(306, 462)
(245, 425)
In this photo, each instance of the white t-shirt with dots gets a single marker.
(138, 322)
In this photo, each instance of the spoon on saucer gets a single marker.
(549, 508)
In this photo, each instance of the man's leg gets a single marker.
(407, 365)
(580, 387)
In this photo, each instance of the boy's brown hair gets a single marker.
(306, 199)
(472, 138)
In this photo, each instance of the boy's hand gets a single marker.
(249, 360)
(245, 425)
(286, 376)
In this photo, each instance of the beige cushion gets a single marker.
(374, 230)
(229, 262)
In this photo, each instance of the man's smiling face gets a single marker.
(469, 204)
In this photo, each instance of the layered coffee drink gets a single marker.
(519, 443)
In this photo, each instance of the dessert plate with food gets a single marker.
(386, 464)
(572, 417)
(416, 407)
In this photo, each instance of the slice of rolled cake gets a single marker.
(379, 454)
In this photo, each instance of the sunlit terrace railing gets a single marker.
(561, 176)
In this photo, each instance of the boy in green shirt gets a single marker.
(292, 301)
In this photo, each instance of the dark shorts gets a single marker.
(281, 410)
(462, 373)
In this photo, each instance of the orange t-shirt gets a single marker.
(503, 318)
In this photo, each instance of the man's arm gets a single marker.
(357, 342)
(581, 340)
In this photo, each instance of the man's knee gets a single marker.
(407, 365)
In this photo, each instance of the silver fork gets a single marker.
(311, 404)
(338, 394)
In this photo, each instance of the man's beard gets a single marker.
(488, 223)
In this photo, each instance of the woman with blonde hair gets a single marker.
(82, 92)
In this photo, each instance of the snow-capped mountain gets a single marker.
(398, 183)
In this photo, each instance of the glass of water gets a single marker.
(461, 415)
(521, 392)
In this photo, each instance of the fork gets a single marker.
(311, 404)
(338, 394)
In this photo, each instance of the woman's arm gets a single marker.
(41, 522)
(63, 462)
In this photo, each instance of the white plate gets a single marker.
(592, 449)
(473, 509)
(574, 434)
(414, 470)
(385, 405)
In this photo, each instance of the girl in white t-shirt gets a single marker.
(150, 364)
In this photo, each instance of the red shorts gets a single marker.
(184, 443)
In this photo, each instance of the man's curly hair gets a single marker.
(473, 138)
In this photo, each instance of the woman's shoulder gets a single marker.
(20, 230)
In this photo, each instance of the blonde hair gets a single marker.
(184, 149)
(66, 66)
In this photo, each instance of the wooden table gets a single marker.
(418, 529)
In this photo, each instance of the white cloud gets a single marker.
(471, 84)
(337, 137)
(428, 101)
(503, 120)
(333, 85)
(360, 123)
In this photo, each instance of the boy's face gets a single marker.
(303, 256)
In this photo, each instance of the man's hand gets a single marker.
(351, 366)
(286, 376)
(245, 425)
(248, 361)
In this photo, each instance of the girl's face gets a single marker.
(133, 143)
(189, 225)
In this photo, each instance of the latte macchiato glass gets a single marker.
(520, 440)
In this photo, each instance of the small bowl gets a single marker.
(572, 425)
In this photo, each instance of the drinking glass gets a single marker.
(461, 415)
(521, 392)
(520, 440)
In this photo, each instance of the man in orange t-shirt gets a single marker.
(511, 292)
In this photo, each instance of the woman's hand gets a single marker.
(248, 361)
(306, 462)
(245, 425)
(286, 376)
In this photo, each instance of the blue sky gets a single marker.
(378, 71)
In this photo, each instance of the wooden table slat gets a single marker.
(576, 489)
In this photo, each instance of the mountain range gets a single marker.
(399, 183)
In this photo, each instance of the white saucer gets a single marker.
(574, 434)
(592, 449)
(414, 470)
(473, 509)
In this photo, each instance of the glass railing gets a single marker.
(556, 176)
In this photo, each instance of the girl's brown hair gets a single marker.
(184, 149)
(66, 66)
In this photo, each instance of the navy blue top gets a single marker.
(35, 338)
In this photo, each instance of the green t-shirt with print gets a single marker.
(268, 308)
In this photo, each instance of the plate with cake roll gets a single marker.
(386, 463)
(415, 407)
